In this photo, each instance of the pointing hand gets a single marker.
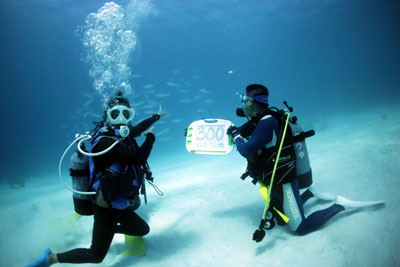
(160, 112)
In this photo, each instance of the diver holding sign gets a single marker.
(274, 146)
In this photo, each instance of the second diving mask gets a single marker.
(260, 98)
(120, 114)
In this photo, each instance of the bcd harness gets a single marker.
(261, 167)
(118, 182)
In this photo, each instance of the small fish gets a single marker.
(162, 95)
(176, 72)
(163, 131)
(87, 103)
(204, 91)
(135, 76)
(73, 117)
(88, 96)
(185, 100)
(231, 71)
(97, 116)
(176, 120)
(86, 114)
(197, 77)
(172, 84)
(138, 104)
(148, 86)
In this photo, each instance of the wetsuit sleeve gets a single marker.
(242, 128)
(261, 136)
(142, 126)
(121, 153)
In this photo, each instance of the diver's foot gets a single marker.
(42, 260)
(350, 204)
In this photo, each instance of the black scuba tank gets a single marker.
(303, 167)
(79, 172)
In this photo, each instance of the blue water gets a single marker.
(324, 57)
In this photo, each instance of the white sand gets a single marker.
(208, 215)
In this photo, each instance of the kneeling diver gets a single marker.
(116, 177)
(267, 142)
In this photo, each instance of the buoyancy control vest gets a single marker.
(82, 172)
(293, 160)
(118, 184)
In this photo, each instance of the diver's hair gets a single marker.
(118, 99)
(258, 89)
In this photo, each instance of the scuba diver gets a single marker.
(277, 158)
(117, 165)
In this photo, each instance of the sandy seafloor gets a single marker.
(208, 215)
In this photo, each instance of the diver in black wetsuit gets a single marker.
(116, 176)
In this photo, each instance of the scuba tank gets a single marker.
(303, 167)
(79, 172)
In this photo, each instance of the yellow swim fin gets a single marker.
(65, 224)
(283, 216)
(134, 246)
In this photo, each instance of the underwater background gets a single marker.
(61, 60)
(324, 57)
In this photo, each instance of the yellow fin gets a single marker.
(264, 194)
(134, 246)
(283, 216)
(65, 224)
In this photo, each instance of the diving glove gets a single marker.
(258, 235)
(233, 132)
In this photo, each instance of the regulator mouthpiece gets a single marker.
(124, 131)
(240, 112)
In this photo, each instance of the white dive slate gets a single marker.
(209, 137)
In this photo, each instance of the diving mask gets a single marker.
(120, 114)
(245, 98)
(263, 99)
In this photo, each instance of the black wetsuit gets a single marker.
(108, 221)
